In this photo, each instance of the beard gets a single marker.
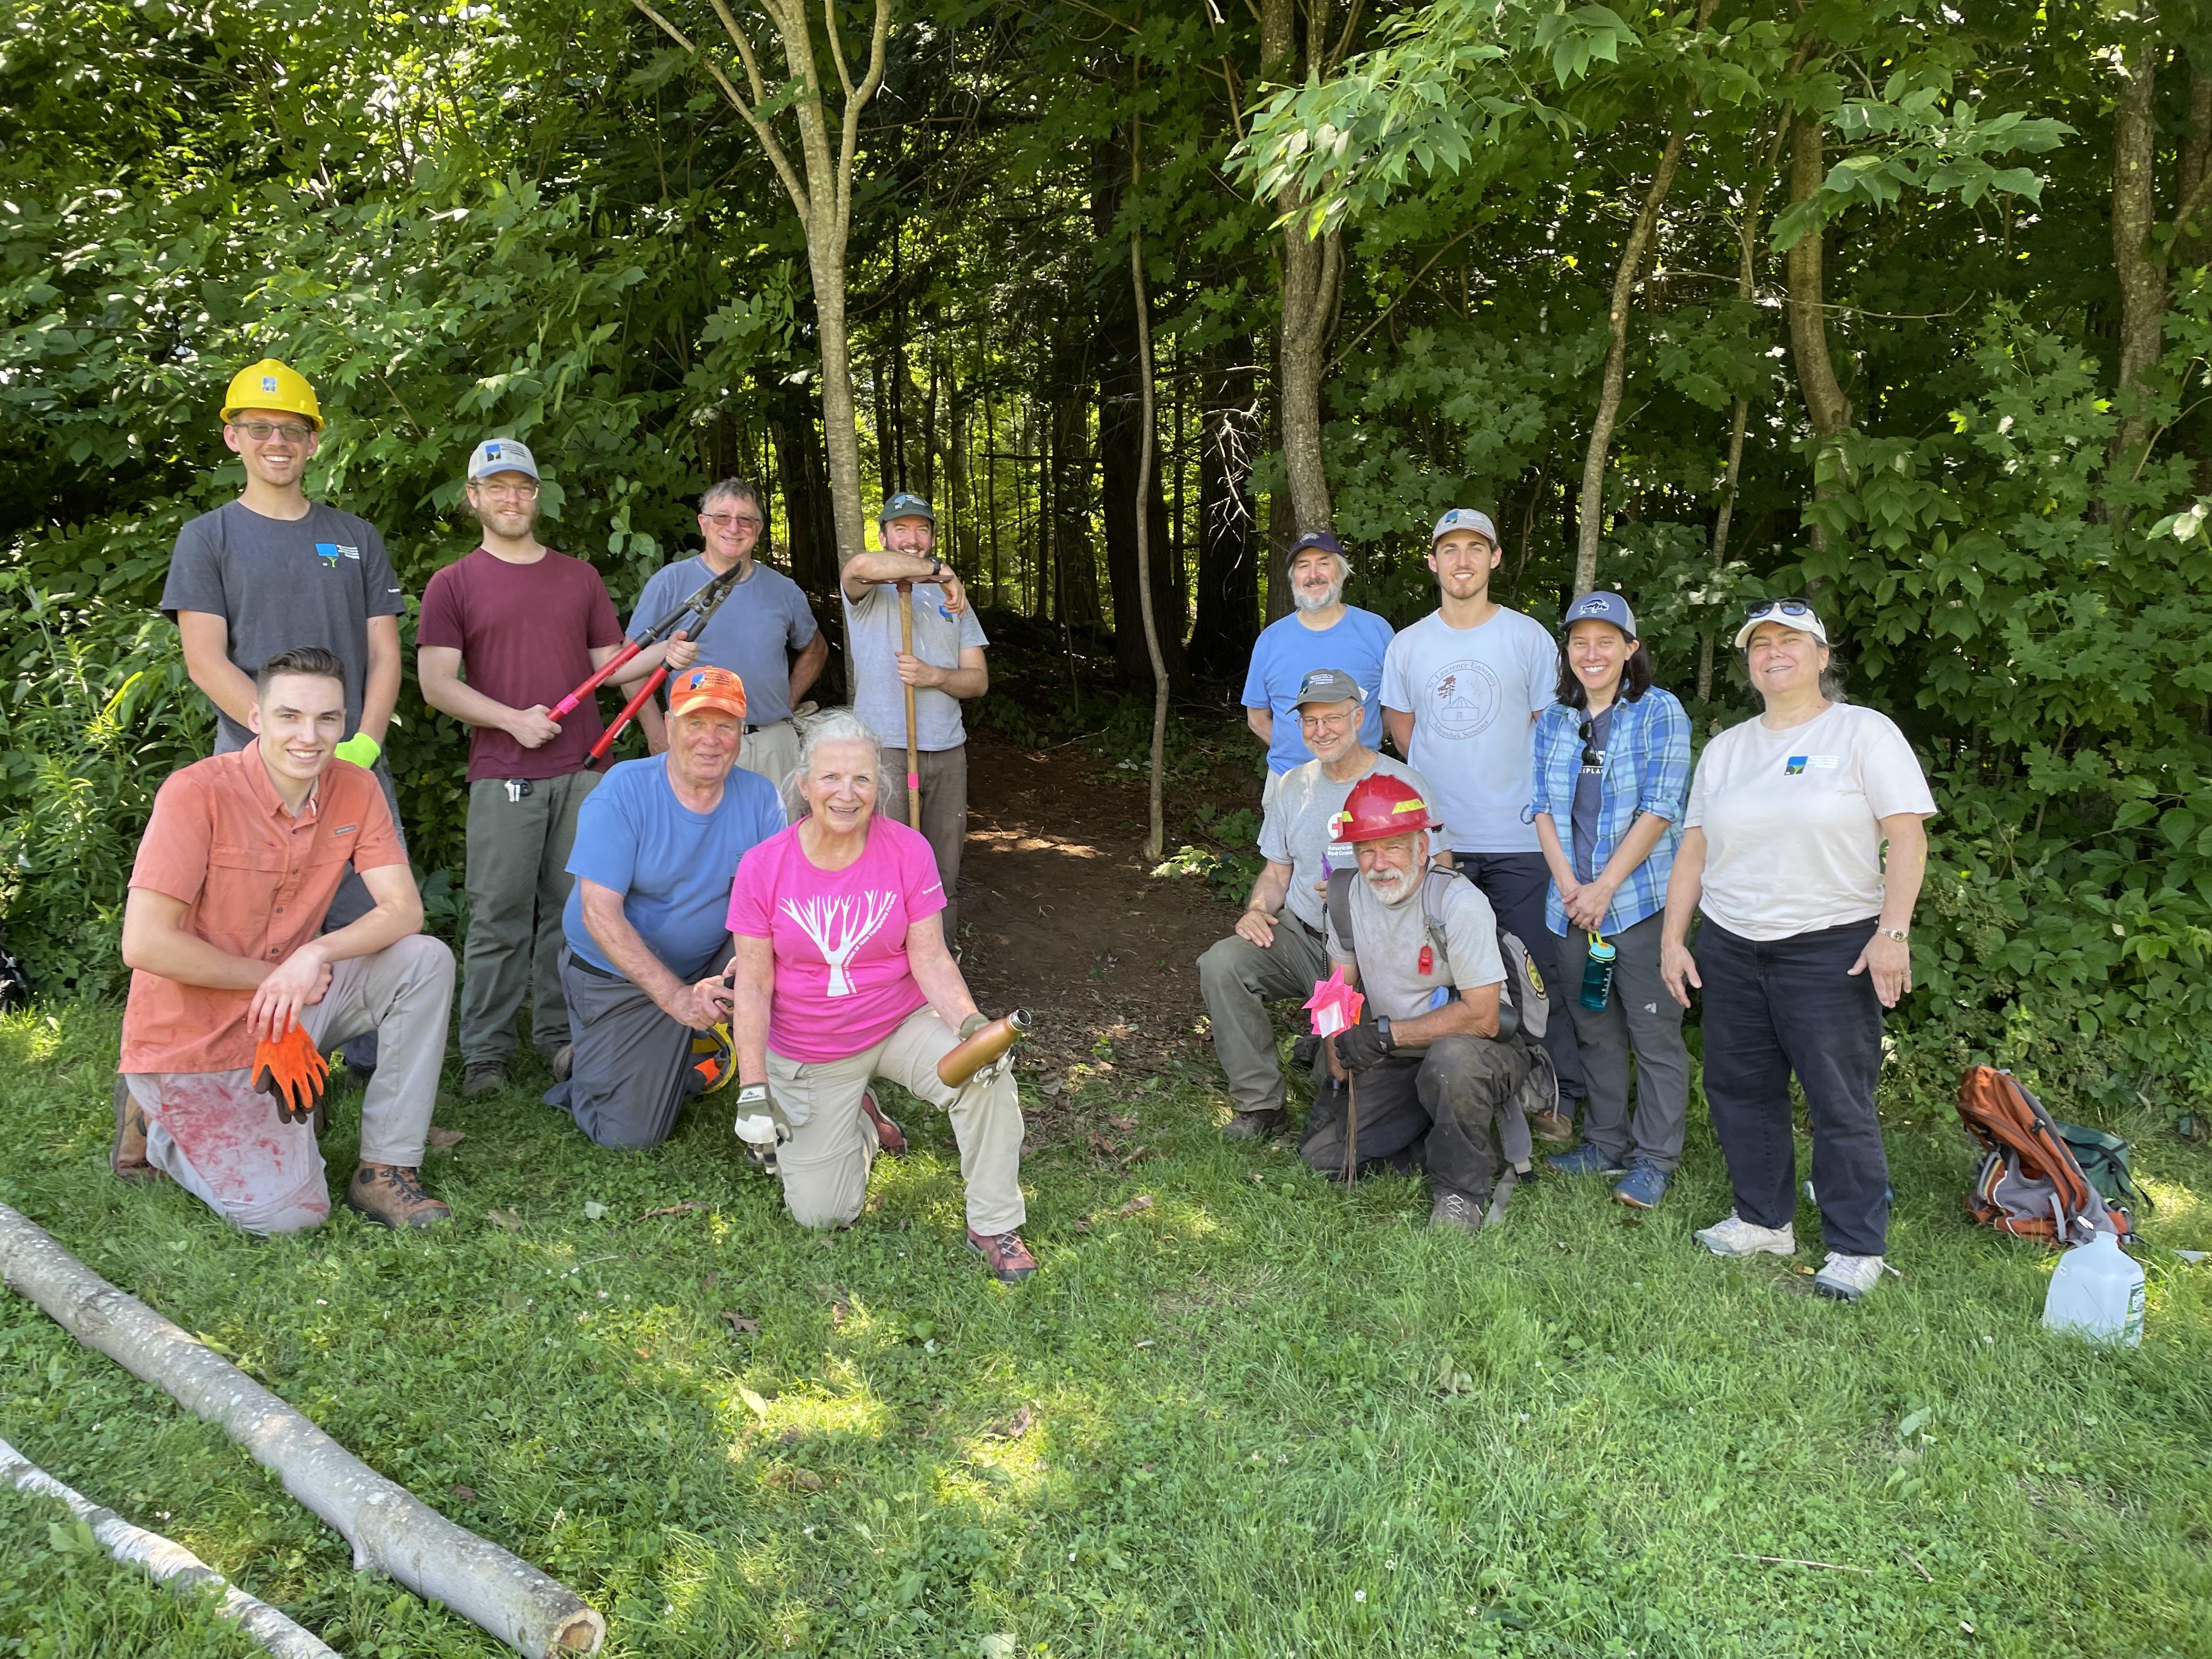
(1392, 887)
(1306, 599)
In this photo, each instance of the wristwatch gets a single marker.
(936, 566)
(1382, 1030)
(1898, 933)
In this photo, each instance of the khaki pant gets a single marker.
(518, 885)
(1238, 979)
(824, 1164)
(772, 750)
(944, 815)
(222, 1140)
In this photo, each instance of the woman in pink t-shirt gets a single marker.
(842, 977)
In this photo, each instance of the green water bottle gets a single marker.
(1597, 974)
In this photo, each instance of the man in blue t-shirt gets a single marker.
(1322, 632)
(646, 925)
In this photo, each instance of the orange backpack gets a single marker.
(2029, 1183)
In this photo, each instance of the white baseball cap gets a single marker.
(1791, 613)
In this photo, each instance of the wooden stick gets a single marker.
(168, 1561)
(912, 738)
(1792, 1561)
(391, 1530)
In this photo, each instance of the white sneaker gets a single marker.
(1736, 1236)
(1847, 1278)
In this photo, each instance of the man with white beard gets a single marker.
(1321, 631)
(1431, 1076)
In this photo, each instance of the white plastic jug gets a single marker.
(2097, 1292)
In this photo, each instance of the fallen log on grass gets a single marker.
(391, 1530)
(169, 1562)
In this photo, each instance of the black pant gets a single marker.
(1793, 1005)
(1435, 1110)
(1517, 884)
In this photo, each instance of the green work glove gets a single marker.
(361, 749)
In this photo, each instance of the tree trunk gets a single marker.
(1591, 516)
(1312, 269)
(2140, 267)
(1147, 486)
(391, 1530)
(168, 1561)
(1228, 567)
(1826, 406)
(1281, 519)
(813, 553)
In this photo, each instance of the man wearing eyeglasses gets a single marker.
(523, 623)
(765, 632)
(271, 571)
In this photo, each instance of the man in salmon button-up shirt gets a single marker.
(232, 880)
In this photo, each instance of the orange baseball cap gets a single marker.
(707, 688)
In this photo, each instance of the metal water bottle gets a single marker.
(1597, 974)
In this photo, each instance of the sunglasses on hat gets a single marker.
(1792, 607)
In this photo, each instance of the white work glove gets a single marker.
(761, 1121)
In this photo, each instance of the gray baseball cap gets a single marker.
(501, 455)
(905, 506)
(1601, 607)
(1329, 686)
(1464, 518)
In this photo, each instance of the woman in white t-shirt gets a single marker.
(1802, 943)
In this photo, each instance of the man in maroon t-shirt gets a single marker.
(526, 625)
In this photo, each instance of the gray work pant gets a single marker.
(352, 900)
(1516, 885)
(632, 1066)
(518, 884)
(221, 1139)
(1238, 979)
(1642, 1018)
(944, 815)
(1450, 1109)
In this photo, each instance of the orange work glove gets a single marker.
(293, 1071)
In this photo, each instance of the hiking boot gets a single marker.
(1645, 1186)
(1256, 1126)
(1009, 1258)
(1553, 1125)
(1454, 1208)
(392, 1195)
(562, 1061)
(126, 1153)
(1847, 1278)
(482, 1076)
(1736, 1236)
(1586, 1159)
(890, 1139)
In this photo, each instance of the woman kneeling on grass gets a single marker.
(1612, 768)
(842, 977)
(1803, 943)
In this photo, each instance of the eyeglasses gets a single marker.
(520, 492)
(262, 431)
(1336, 721)
(724, 521)
(1758, 608)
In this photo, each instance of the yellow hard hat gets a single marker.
(271, 385)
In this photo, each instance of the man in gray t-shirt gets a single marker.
(1424, 1079)
(945, 667)
(272, 571)
(1276, 952)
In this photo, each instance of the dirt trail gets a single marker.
(1058, 914)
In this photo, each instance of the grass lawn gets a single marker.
(1259, 1416)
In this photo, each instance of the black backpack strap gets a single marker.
(1339, 908)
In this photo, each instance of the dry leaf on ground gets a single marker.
(1011, 1428)
(444, 1140)
(740, 1325)
(506, 1218)
(672, 1209)
(786, 1477)
(462, 1493)
(1137, 1206)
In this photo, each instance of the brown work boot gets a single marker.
(890, 1139)
(1009, 1258)
(392, 1195)
(1554, 1125)
(482, 1076)
(1454, 1208)
(126, 1153)
(1256, 1126)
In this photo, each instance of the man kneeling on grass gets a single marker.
(238, 865)
(1429, 1070)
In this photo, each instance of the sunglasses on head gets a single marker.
(1778, 607)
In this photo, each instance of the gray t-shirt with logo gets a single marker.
(282, 583)
(1298, 830)
(872, 635)
(1391, 938)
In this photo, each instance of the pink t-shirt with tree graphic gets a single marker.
(842, 982)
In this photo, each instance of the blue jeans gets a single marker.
(1788, 1005)
(1516, 883)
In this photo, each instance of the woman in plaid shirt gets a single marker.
(1612, 770)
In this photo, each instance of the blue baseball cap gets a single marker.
(501, 455)
(903, 505)
(1464, 518)
(1601, 607)
(1311, 540)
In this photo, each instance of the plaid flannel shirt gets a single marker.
(1647, 770)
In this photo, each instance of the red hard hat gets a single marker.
(1381, 804)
